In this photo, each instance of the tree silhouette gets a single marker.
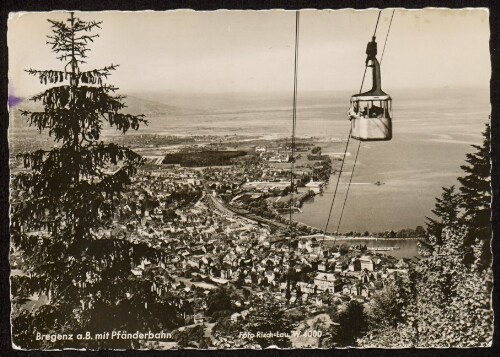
(476, 194)
(66, 203)
(470, 207)
(445, 303)
(448, 298)
(446, 211)
(219, 301)
(351, 325)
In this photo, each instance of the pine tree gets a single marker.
(350, 325)
(66, 201)
(449, 293)
(446, 211)
(447, 303)
(476, 194)
(452, 299)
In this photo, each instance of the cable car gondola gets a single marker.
(370, 112)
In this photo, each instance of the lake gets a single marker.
(431, 137)
(432, 131)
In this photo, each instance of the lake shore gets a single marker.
(329, 237)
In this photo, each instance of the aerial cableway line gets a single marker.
(369, 122)
(387, 113)
(372, 123)
(294, 127)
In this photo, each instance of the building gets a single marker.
(340, 267)
(322, 266)
(367, 263)
(327, 282)
(314, 186)
(355, 265)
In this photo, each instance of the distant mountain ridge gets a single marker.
(257, 113)
(152, 110)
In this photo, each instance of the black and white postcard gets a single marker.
(250, 179)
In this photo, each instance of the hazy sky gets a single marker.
(223, 51)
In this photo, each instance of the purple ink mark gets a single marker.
(13, 101)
